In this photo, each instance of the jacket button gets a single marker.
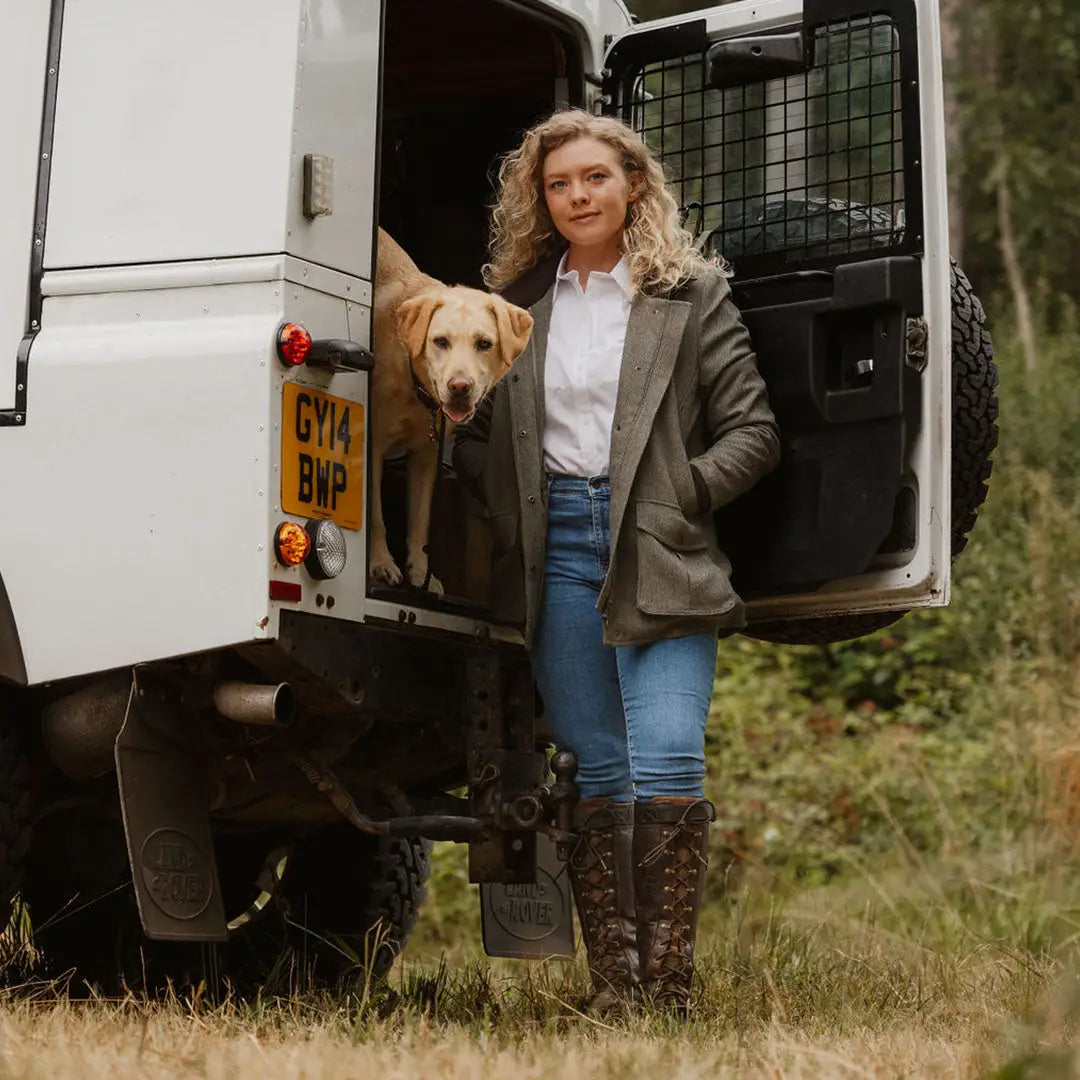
(522, 433)
(532, 498)
(517, 377)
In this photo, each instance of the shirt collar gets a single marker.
(620, 274)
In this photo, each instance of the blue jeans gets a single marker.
(634, 715)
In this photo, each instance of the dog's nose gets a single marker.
(460, 388)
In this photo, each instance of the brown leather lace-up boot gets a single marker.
(671, 852)
(601, 873)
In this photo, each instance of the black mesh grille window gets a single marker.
(802, 169)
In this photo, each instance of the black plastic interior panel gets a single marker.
(831, 348)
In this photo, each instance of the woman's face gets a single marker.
(587, 192)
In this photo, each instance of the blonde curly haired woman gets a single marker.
(636, 412)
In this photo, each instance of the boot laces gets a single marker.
(683, 829)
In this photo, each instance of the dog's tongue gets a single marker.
(457, 415)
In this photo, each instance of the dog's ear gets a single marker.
(413, 319)
(515, 326)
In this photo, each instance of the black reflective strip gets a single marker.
(17, 416)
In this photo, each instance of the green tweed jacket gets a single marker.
(692, 431)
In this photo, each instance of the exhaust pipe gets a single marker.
(254, 703)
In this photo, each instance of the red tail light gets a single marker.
(293, 344)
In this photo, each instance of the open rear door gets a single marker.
(804, 140)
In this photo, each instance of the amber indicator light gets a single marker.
(291, 543)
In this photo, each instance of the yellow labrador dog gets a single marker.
(437, 349)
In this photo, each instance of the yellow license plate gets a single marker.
(322, 456)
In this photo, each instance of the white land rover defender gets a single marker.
(209, 736)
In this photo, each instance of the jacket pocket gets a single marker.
(677, 572)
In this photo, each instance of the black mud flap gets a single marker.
(531, 922)
(164, 796)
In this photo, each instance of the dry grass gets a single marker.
(930, 972)
(61, 1040)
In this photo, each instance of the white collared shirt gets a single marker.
(581, 368)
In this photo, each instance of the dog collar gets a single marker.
(423, 394)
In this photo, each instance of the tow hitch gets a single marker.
(519, 820)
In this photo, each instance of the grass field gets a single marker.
(938, 967)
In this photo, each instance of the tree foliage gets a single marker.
(1018, 76)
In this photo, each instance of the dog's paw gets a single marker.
(385, 571)
(416, 579)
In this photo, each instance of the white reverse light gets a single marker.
(328, 552)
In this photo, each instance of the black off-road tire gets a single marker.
(16, 815)
(345, 909)
(974, 437)
(353, 900)
(83, 916)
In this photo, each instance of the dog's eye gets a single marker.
(441, 342)
(482, 344)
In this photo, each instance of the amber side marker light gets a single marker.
(293, 344)
(291, 543)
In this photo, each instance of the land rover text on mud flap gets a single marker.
(214, 727)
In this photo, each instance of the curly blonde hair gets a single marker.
(659, 251)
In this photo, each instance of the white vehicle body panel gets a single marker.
(141, 474)
(181, 129)
(22, 76)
